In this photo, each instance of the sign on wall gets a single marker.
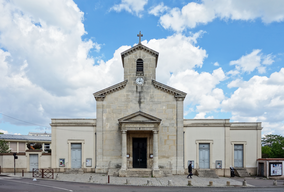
(218, 164)
(275, 169)
(61, 162)
(89, 162)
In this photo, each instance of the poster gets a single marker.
(61, 162)
(275, 169)
(88, 162)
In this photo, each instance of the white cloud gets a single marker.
(193, 13)
(158, 10)
(200, 88)
(216, 64)
(131, 6)
(45, 71)
(268, 59)
(252, 61)
(258, 99)
(3, 131)
(179, 50)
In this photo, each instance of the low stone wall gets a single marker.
(23, 163)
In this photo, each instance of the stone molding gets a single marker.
(100, 95)
(67, 124)
(139, 47)
(149, 123)
(232, 126)
(179, 95)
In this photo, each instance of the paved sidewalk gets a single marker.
(175, 180)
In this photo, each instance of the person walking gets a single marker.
(190, 170)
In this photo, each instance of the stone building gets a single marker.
(140, 130)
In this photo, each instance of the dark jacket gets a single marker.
(189, 168)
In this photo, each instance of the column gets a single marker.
(43, 147)
(124, 151)
(155, 150)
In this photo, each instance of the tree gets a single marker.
(273, 146)
(4, 147)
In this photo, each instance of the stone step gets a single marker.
(210, 173)
(241, 172)
(139, 172)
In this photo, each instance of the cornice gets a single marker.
(139, 47)
(179, 95)
(100, 95)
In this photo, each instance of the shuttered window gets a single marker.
(13, 146)
(22, 147)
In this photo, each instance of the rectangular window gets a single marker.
(13, 146)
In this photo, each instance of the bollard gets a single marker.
(228, 183)
(275, 182)
(210, 183)
(149, 182)
(244, 183)
(56, 177)
(90, 179)
(170, 183)
(22, 173)
(0, 170)
(189, 182)
(108, 179)
(127, 181)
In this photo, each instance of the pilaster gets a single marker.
(179, 136)
(99, 136)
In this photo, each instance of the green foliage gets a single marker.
(4, 147)
(266, 151)
(273, 146)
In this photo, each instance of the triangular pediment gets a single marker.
(103, 93)
(139, 47)
(168, 89)
(139, 117)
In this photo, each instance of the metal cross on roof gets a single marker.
(140, 35)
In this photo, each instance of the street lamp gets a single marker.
(15, 157)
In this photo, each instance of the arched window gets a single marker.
(139, 67)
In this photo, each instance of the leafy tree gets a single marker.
(273, 146)
(4, 147)
(266, 151)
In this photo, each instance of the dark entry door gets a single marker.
(139, 152)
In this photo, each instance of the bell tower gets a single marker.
(139, 63)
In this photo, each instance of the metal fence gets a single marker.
(43, 173)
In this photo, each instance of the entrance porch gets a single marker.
(139, 144)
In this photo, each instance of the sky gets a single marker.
(227, 55)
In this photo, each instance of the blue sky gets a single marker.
(226, 54)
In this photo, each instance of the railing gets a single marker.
(43, 173)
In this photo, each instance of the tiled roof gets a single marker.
(24, 137)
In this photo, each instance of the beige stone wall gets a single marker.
(222, 135)
(250, 142)
(194, 136)
(23, 162)
(126, 101)
(68, 131)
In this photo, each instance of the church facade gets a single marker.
(140, 128)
